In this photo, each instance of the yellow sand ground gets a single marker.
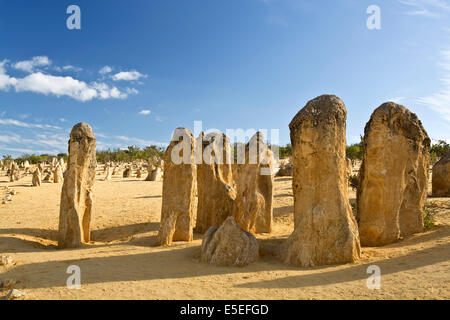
(123, 263)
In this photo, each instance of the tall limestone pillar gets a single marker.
(76, 196)
(253, 209)
(216, 194)
(179, 185)
(325, 229)
(393, 176)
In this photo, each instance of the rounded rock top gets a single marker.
(82, 130)
(322, 108)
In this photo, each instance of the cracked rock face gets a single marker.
(76, 195)
(179, 186)
(253, 208)
(441, 177)
(216, 194)
(229, 245)
(325, 230)
(393, 176)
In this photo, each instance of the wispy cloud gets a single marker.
(68, 68)
(396, 99)
(37, 138)
(140, 142)
(426, 8)
(18, 123)
(33, 138)
(440, 100)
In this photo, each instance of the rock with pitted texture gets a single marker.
(325, 231)
(393, 176)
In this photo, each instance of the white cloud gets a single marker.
(128, 76)
(106, 92)
(47, 84)
(5, 81)
(30, 65)
(105, 70)
(145, 112)
(58, 86)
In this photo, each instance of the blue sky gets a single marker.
(138, 69)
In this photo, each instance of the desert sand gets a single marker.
(122, 261)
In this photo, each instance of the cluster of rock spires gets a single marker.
(233, 203)
(154, 169)
(54, 172)
(235, 200)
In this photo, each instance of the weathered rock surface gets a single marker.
(177, 212)
(48, 177)
(36, 180)
(441, 177)
(58, 174)
(108, 175)
(41, 168)
(155, 175)
(349, 167)
(127, 172)
(393, 176)
(253, 209)
(286, 170)
(76, 196)
(229, 245)
(325, 230)
(216, 194)
(14, 174)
